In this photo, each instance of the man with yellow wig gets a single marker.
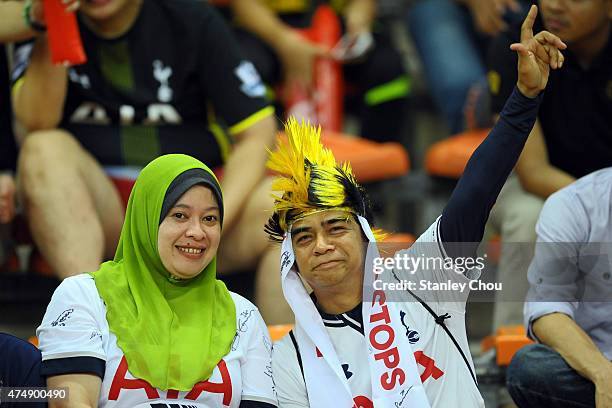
(353, 345)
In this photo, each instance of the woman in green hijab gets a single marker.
(154, 327)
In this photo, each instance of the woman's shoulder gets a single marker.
(242, 303)
(79, 289)
(83, 284)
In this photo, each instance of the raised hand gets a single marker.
(536, 55)
(37, 12)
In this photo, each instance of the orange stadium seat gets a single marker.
(278, 331)
(371, 161)
(448, 157)
(506, 341)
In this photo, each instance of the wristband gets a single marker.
(34, 25)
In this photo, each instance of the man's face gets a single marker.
(575, 20)
(100, 10)
(329, 250)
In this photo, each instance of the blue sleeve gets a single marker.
(555, 277)
(19, 367)
(464, 217)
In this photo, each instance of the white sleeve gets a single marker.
(426, 262)
(256, 368)
(288, 378)
(72, 324)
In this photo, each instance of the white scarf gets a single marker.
(393, 371)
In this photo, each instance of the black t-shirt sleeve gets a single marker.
(501, 68)
(230, 81)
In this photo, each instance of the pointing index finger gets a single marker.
(527, 27)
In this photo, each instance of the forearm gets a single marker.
(544, 180)
(246, 168)
(562, 334)
(83, 390)
(467, 211)
(360, 15)
(257, 18)
(12, 25)
(38, 98)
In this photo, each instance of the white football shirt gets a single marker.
(75, 326)
(444, 373)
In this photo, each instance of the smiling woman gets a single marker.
(190, 232)
(157, 313)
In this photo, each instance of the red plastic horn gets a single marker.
(324, 105)
(63, 33)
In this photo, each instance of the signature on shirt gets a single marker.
(404, 394)
(61, 319)
(245, 315)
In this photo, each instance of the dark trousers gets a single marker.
(539, 377)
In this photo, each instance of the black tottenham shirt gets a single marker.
(161, 87)
(576, 112)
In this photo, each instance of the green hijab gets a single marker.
(173, 333)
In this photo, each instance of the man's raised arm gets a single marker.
(465, 216)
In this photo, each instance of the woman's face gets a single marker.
(189, 236)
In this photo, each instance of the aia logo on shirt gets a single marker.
(122, 384)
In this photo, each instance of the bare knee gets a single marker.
(45, 147)
(42, 154)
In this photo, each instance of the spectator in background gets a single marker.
(572, 137)
(15, 25)
(451, 37)
(266, 33)
(159, 76)
(568, 310)
(321, 218)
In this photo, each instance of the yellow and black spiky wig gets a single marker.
(309, 180)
